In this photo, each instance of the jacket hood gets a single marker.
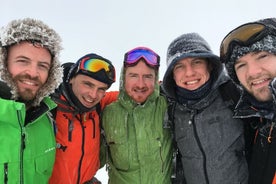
(185, 46)
(261, 109)
(31, 30)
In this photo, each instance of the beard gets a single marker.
(263, 94)
(26, 95)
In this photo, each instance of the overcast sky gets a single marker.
(112, 27)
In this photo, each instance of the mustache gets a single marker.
(27, 76)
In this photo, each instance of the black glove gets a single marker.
(94, 180)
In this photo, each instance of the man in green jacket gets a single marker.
(30, 71)
(139, 146)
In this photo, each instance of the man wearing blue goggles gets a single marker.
(140, 148)
(149, 56)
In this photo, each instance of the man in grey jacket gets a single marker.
(210, 141)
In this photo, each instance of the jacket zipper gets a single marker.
(93, 127)
(5, 173)
(22, 146)
(82, 150)
(191, 121)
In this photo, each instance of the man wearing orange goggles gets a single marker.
(80, 98)
(249, 54)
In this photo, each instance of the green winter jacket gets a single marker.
(139, 147)
(27, 149)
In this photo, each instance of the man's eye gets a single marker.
(177, 67)
(21, 61)
(44, 67)
(239, 66)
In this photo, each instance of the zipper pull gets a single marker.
(191, 117)
(270, 132)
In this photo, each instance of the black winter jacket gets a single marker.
(262, 166)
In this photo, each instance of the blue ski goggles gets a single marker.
(133, 56)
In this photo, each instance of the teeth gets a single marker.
(29, 83)
(192, 82)
(88, 100)
(258, 82)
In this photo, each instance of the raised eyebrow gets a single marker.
(196, 58)
(22, 57)
(132, 74)
(88, 83)
(199, 59)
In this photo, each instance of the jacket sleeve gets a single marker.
(109, 97)
(103, 151)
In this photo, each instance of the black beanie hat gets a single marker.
(265, 43)
(107, 77)
(184, 46)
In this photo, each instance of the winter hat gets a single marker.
(266, 42)
(184, 46)
(94, 66)
(34, 31)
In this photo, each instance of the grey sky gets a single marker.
(112, 27)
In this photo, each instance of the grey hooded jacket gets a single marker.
(210, 141)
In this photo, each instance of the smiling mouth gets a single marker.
(192, 82)
(88, 100)
(140, 90)
(28, 82)
(260, 82)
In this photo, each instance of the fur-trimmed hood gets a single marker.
(31, 30)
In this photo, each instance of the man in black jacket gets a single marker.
(249, 54)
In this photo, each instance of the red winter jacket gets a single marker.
(78, 144)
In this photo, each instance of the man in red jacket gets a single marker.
(80, 98)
